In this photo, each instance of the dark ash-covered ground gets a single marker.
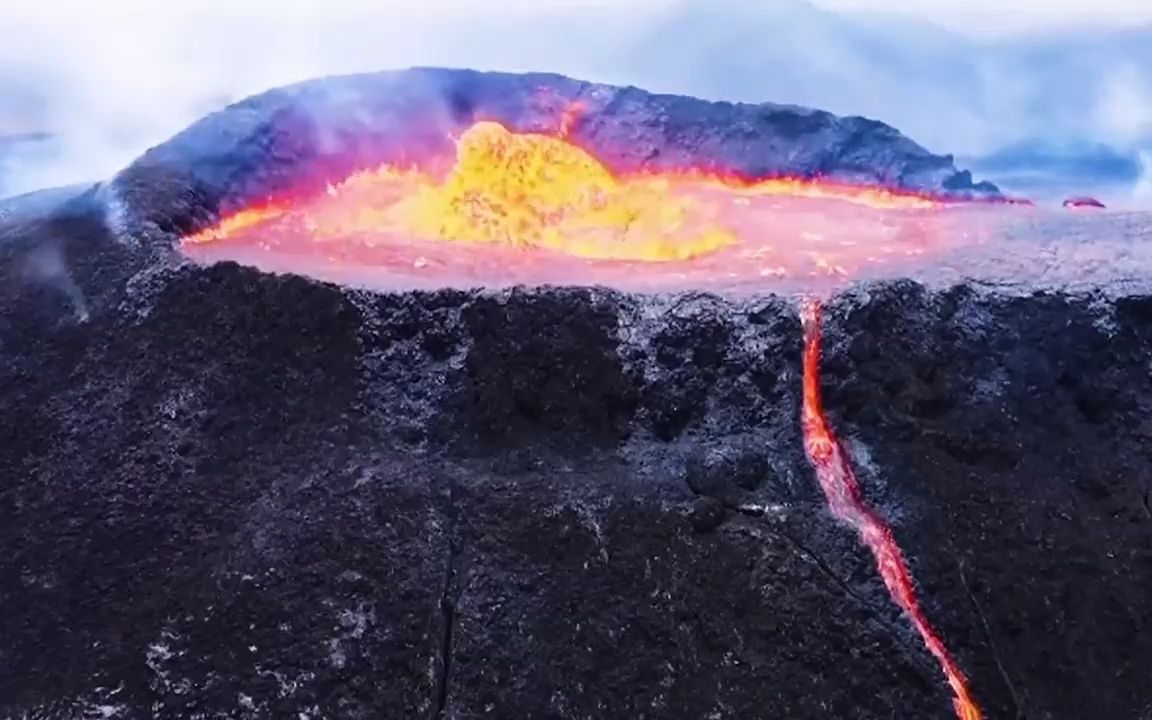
(234, 494)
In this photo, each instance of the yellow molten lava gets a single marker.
(524, 190)
(541, 191)
(531, 190)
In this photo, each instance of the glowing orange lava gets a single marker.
(527, 190)
(838, 481)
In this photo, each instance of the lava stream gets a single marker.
(842, 490)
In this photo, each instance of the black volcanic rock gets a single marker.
(257, 496)
(1083, 201)
(1012, 435)
(307, 135)
(235, 494)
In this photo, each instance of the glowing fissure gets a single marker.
(842, 490)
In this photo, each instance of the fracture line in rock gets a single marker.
(842, 490)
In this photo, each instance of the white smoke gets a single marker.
(120, 80)
(45, 264)
(1124, 108)
(139, 73)
(1142, 192)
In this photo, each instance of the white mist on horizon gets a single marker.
(120, 81)
(1124, 105)
(123, 79)
(116, 86)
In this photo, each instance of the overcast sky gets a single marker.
(1000, 16)
(123, 74)
(979, 16)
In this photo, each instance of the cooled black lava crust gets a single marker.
(225, 493)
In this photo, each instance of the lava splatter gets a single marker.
(842, 490)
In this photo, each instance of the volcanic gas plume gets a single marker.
(842, 490)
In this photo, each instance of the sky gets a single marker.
(1001, 17)
(121, 75)
(995, 17)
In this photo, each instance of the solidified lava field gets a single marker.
(568, 401)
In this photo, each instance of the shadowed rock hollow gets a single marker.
(228, 493)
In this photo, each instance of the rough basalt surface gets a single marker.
(301, 137)
(233, 494)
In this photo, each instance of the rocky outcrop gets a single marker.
(1083, 201)
(304, 136)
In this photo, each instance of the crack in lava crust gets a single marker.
(842, 490)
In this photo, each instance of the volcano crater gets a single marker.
(233, 492)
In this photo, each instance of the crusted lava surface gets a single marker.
(233, 493)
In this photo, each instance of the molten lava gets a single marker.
(524, 190)
(527, 190)
(838, 481)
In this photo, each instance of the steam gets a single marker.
(104, 88)
(145, 71)
(46, 264)
(1142, 192)
(1124, 115)
(1124, 112)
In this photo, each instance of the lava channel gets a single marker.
(842, 491)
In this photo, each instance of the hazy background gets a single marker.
(1052, 95)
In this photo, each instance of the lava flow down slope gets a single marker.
(448, 394)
